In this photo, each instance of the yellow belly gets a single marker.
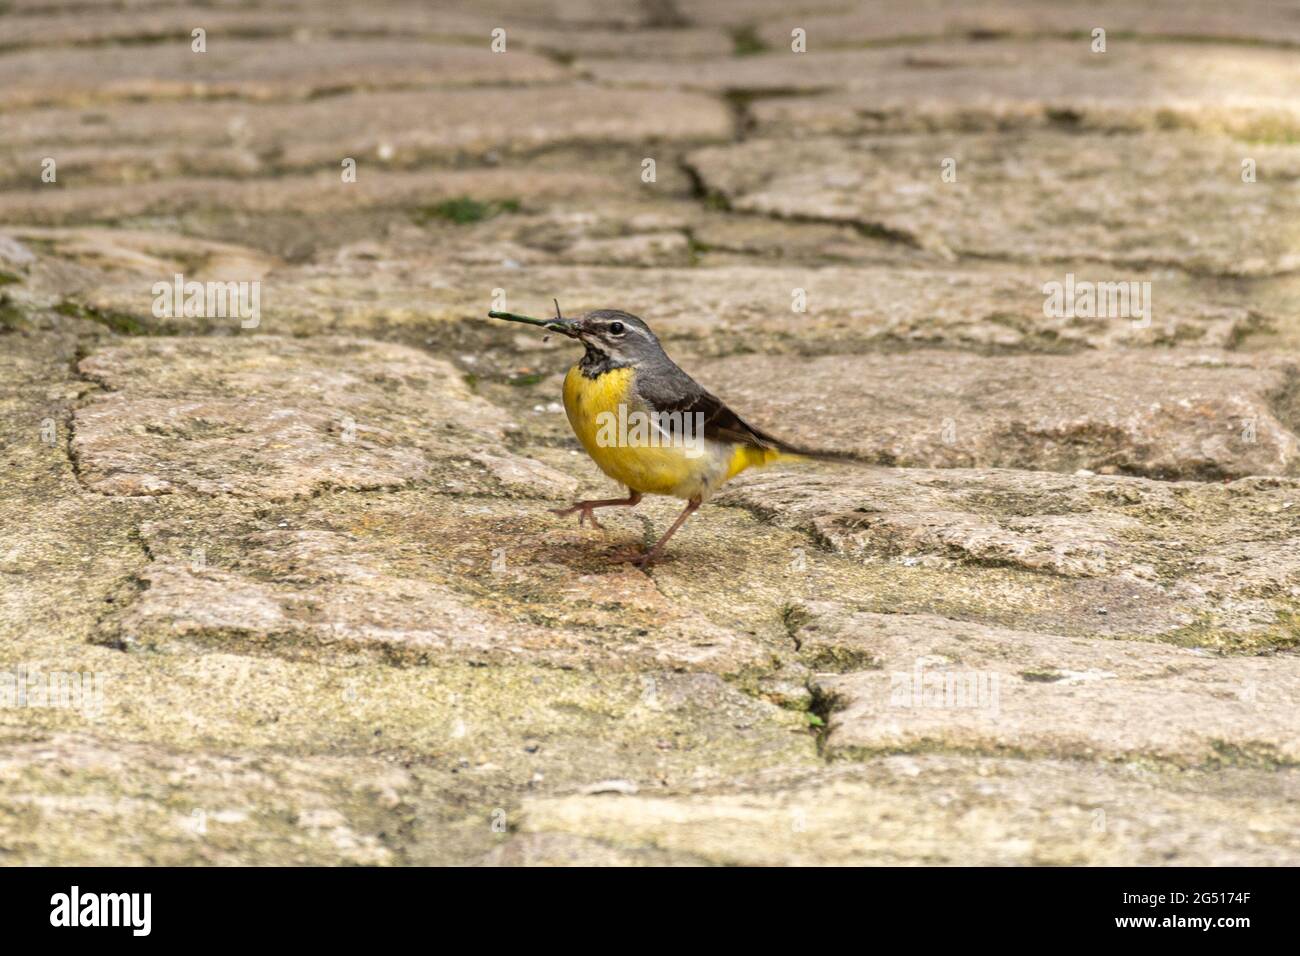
(654, 470)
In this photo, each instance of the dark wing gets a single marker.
(666, 388)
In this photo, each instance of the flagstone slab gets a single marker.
(1245, 91)
(1265, 21)
(276, 418)
(1201, 565)
(74, 800)
(380, 131)
(256, 70)
(938, 810)
(718, 310)
(1132, 201)
(452, 584)
(313, 563)
(335, 20)
(916, 682)
(386, 195)
(998, 85)
(1186, 415)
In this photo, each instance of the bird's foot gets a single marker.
(584, 510)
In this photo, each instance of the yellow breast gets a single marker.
(657, 470)
(649, 470)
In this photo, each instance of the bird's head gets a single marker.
(611, 336)
(618, 336)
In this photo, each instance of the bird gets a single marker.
(647, 424)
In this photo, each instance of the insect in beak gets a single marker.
(558, 324)
(558, 318)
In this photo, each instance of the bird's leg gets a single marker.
(586, 509)
(649, 556)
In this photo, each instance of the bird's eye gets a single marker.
(616, 328)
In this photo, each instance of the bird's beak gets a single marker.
(561, 326)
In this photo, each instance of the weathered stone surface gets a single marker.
(920, 681)
(576, 13)
(58, 264)
(39, 6)
(1262, 20)
(47, 26)
(499, 732)
(388, 650)
(723, 240)
(1279, 295)
(718, 310)
(87, 802)
(1206, 565)
(721, 310)
(131, 787)
(254, 70)
(472, 27)
(999, 86)
(1129, 200)
(1201, 415)
(14, 253)
(365, 581)
(580, 15)
(413, 194)
(64, 558)
(1006, 85)
(371, 285)
(770, 74)
(379, 130)
(648, 249)
(560, 849)
(275, 418)
(683, 43)
(989, 308)
(976, 812)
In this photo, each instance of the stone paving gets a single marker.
(281, 586)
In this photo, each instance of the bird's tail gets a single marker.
(781, 451)
(756, 456)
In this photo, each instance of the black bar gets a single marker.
(213, 906)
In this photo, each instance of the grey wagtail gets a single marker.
(648, 424)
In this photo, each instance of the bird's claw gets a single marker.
(583, 510)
